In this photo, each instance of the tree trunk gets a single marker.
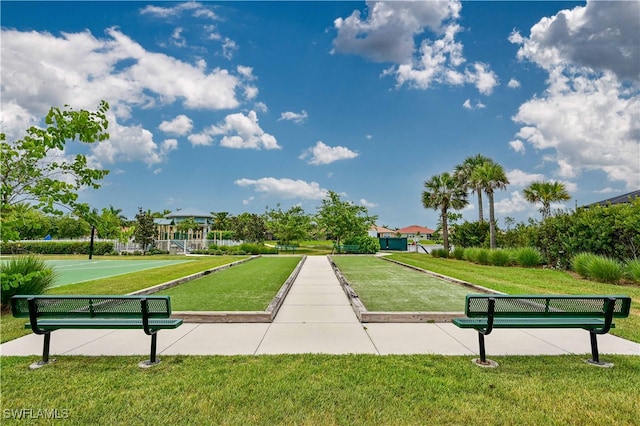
(445, 231)
(480, 208)
(492, 222)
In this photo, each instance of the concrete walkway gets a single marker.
(316, 317)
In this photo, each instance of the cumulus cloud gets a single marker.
(388, 33)
(517, 146)
(513, 204)
(197, 10)
(297, 118)
(181, 125)
(368, 204)
(324, 154)
(238, 131)
(285, 188)
(588, 117)
(520, 178)
(513, 83)
(468, 105)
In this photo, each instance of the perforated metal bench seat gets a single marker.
(594, 313)
(49, 313)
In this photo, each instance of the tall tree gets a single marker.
(249, 227)
(342, 220)
(464, 174)
(444, 192)
(291, 225)
(145, 231)
(491, 176)
(546, 193)
(31, 173)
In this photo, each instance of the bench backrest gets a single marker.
(552, 306)
(91, 306)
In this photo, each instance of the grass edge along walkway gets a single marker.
(324, 390)
(518, 280)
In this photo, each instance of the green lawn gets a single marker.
(515, 280)
(12, 328)
(386, 286)
(325, 390)
(248, 287)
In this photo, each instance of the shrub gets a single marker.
(25, 275)
(633, 270)
(366, 244)
(439, 253)
(605, 269)
(528, 257)
(499, 257)
(458, 253)
(581, 263)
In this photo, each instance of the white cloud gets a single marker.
(387, 35)
(467, 105)
(181, 125)
(324, 154)
(601, 36)
(513, 83)
(285, 188)
(519, 178)
(196, 9)
(368, 204)
(243, 132)
(513, 204)
(200, 139)
(517, 146)
(130, 143)
(588, 118)
(297, 118)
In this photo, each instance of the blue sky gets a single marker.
(235, 106)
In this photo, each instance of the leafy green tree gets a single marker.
(471, 234)
(145, 230)
(249, 227)
(443, 192)
(70, 227)
(491, 176)
(291, 225)
(24, 222)
(220, 220)
(30, 173)
(341, 220)
(464, 174)
(187, 226)
(546, 193)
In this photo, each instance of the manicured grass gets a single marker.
(386, 286)
(12, 328)
(326, 390)
(247, 287)
(515, 280)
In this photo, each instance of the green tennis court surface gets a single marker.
(76, 271)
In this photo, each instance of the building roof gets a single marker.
(618, 199)
(188, 213)
(381, 229)
(415, 229)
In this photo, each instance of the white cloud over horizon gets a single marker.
(285, 188)
(321, 153)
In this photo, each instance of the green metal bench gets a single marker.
(50, 313)
(286, 247)
(592, 313)
(346, 248)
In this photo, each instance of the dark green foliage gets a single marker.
(439, 253)
(528, 257)
(632, 270)
(57, 247)
(499, 257)
(598, 268)
(471, 234)
(458, 253)
(367, 244)
(145, 231)
(611, 231)
(24, 275)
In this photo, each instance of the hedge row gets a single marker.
(56, 247)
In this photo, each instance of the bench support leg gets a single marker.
(595, 357)
(483, 355)
(153, 359)
(45, 352)
(483, 361)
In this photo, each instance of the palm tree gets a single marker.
(491, 176)
(443, 192)
(464, 174)
(546, 193)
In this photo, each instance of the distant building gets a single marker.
(169, 236)
(618, 199)
(381, 232)
(414, 232)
